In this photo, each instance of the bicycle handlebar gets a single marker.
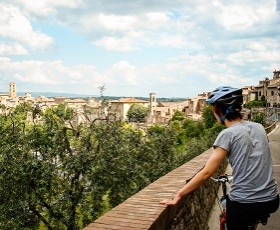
(223, 178)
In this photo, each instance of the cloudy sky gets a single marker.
(174, 48)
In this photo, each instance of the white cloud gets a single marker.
(55, 74)
(16, 26)
(12, 49)
(116, 44)
(248, 56)
(22, 78)
(37, 72)
(170, 43)
(116, 22)
(46, 7)
(36, 7)
(125, 73)
(156, 19)
(124, 32)
(189, 70)
(257, 51)
(240, 15)
(228, 78)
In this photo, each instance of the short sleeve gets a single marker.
(223, 140)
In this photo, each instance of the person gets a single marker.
(254, 194)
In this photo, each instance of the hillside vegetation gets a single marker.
(58, 176)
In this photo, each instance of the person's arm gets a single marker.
(210, 168)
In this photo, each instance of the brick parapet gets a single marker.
(143, 211)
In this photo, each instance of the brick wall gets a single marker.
(143, 211)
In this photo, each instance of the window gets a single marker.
(272, 93)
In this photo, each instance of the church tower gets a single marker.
(13, 90)
(276, 74)
(152, 105)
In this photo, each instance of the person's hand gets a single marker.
(170, 202)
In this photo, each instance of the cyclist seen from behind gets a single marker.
(254, 194)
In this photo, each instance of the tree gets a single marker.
(50, 172)
(208, 116)
(178, 116)
(63, 177)
(55, 175)
(259, 117)
(193, 128)
(137, 112)
(16, 174)
(256, 103)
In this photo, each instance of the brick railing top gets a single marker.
(143, 211)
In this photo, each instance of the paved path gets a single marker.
(274, 220)
(274, 142)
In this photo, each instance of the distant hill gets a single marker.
(50, 94)
(72, 95)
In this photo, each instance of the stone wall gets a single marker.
(271, 127)
(195, 210)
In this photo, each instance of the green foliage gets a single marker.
(55, 175)
(137, 112)
(186, 129)
(178, 116)
(156, 129)
(193, 128)
(161, 151)
(47, 174)
(263, 98)
(256, 103)
(208, 117)
(259, 118)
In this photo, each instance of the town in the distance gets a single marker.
(158, 111)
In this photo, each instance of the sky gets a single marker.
(174, 48)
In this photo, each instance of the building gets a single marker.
(158, 112)
(248, 94)
(3, 98)
(152, 106)
(196, 104)
(164, 111)
(270, 89)
(121, 106)
(13, 90)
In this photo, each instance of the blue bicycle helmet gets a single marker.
(226, 95)
(229, 99)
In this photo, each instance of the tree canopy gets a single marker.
(57, 175)
(137, 113)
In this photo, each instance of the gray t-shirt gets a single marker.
(250, 159)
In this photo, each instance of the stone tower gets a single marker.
(276, 74)
(13, 90)
(152, 105)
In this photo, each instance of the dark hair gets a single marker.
(229, 112)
